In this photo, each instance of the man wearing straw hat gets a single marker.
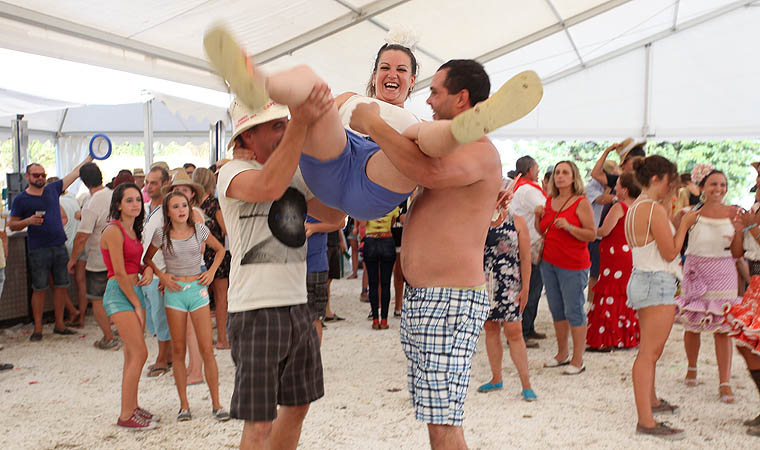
(264, 201)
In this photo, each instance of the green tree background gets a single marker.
(732, 157)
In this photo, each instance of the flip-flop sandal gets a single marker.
(233, 64)
(157, 371)
(513, 101)
(554, 363)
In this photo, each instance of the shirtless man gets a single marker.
(444, 236)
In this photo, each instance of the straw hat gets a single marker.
(161, 164)
(181, 179)
(139, 172)
(244, 118)
(625, 147)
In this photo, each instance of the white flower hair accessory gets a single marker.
(700, 171)
(403, 36)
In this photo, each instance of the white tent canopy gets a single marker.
(665, 69)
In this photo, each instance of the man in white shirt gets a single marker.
(94, 219)
(527, 196)
(155, 312)
(264, 201)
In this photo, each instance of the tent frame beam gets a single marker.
(347, 20)
(567, 32)
(651, 39)
(47, 22)
(537, 36)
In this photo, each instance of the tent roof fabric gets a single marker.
(679, 68)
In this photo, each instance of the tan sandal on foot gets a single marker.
(691, 382)
(726, 398)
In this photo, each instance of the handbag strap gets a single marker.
(557, 215)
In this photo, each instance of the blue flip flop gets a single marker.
(529, 395)
(488, 387)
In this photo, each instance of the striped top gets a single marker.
(185, 257)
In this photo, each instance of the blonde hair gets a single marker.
(577, 186)
(205, 177)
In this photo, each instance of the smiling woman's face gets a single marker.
(393, 77)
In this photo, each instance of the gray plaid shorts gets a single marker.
(317, 293)
(440, 328)
(277, 361)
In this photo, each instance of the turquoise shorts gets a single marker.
(192, 296)
(114, 300)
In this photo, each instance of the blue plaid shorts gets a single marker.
(440, 328)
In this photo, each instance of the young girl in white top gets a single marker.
(655, 250)
(709, 287)
(181, 241)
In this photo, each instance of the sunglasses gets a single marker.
(37, 175)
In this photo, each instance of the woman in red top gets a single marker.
(567, 223)
(611, 323)
(123, 299)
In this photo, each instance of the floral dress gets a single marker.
(210, 206)
(611, 323)
(502, 267)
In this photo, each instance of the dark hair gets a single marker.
(168, 223)
(186, 165)
(122, 177)
(685, 178)
(115, 214)
(212, 167)
(712, 172)
(124, 172)
(415, 67)
(30, 166)
(467, 74)
(655, 165)
(628, 181)
(548, 173)
(164, 173)
(91, 175)
(524, 164)
(638, 150)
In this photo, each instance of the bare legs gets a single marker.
(723, 353)
(201, 320)
(135, 355)
(283, 433)
(655, 323)
(195, 363)
(101, 318)
(563, 331)
(79, 279)
(220, 286)
(517, 350)
(446, 437)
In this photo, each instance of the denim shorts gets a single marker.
(651, 289)
(155, 311)
(114, 300)
(46, 260)
(564, 292)
(190, 297)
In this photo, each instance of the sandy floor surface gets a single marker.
(64, 394)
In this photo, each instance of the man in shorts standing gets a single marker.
(443, 240)
(39, 211)
(94, 219)
(264, 201)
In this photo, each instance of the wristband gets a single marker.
(570, 229)
(749, 227)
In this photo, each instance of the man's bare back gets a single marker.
(445, 231)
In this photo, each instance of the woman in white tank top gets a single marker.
(655, 248)
(709, 287)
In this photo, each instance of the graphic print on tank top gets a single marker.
(285, 220)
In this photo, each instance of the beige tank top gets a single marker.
(647, 257)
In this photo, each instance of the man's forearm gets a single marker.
(71, 177)
(403, 153)
(17, 225)
(79, 241)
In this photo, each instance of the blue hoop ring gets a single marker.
(108, 153)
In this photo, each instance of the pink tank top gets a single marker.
(132, 249)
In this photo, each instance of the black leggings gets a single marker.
(379, 257)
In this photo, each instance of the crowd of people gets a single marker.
(260, 233)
